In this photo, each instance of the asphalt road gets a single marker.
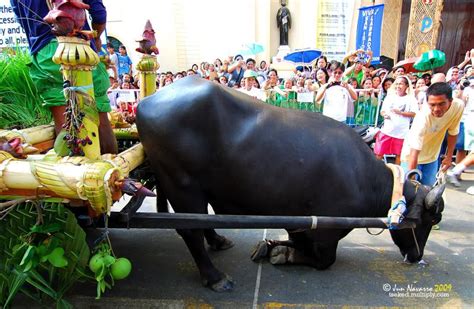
(369, 270)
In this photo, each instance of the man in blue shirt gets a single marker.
(47, 75)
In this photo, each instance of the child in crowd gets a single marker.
(366, 105)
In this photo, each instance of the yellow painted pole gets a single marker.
(77, 59)
(147, 67)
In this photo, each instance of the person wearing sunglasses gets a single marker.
(338, 96)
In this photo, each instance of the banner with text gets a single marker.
(11, 33)
(369, 29)
(333, 27)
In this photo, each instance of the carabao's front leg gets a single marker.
(210, 275)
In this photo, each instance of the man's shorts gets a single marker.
(47, 77)
(460, 140)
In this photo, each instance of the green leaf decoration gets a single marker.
(28, 256)
(16, 284)
(42, 252)
(45, 229)
(65, 248)
(60, 144)
(29, 265)
(56, 258)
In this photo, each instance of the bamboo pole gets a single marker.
(34, 135)
(130, 159)
(41, 137)
(147, 67)
(68, 177)
(126, 133)
(77, 59)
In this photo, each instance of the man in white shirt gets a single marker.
(423, 142)
(338, 95)
(466, 138)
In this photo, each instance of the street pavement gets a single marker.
(369, 270)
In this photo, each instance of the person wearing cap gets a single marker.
(465, 92)
(463, 161)
(468, 71)
(382, 74)
(250, 83)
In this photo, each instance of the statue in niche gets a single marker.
(283, 22)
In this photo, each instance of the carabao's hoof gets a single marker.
(221, 243)
(281, 255)
(224, 285)
(260, 251)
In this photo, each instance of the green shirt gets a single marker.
(359, 76)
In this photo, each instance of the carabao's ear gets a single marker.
(434, 196)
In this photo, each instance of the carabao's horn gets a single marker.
(434, 195)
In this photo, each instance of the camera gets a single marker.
(334, 83)
(464, 83)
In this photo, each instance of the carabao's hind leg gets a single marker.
(263, 248)
(324, 246)
(217, 242)
(297, 250)
(288, 249)
(324, 254)
(302, 249)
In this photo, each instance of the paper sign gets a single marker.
(305, 97)
(126, 95)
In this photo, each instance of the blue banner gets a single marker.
(369, 29)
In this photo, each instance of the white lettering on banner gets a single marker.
(12, 34)
(368, 28)
(369, 36)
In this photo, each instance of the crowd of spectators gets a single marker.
(353, 91)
